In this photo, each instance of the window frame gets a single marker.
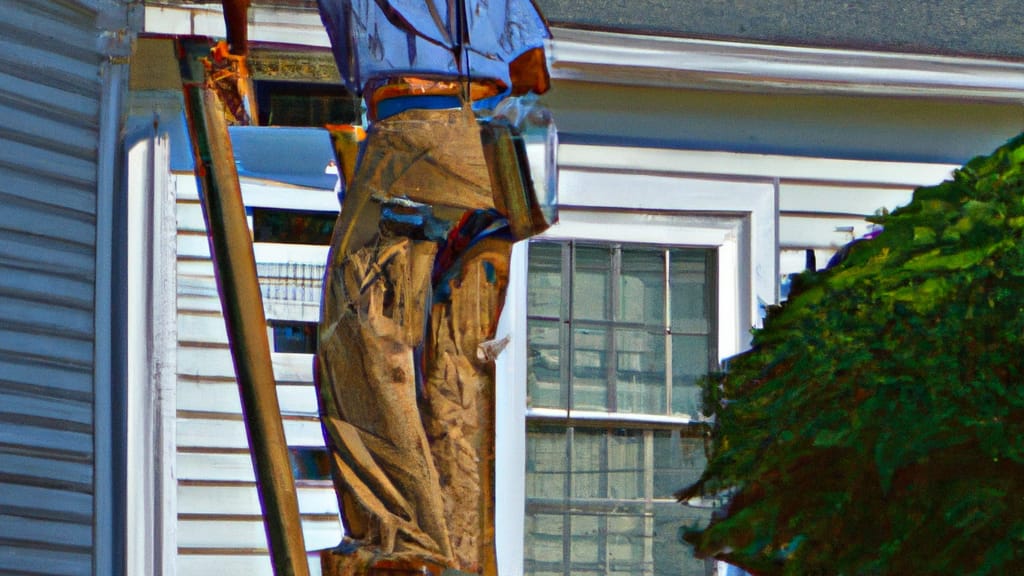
(308, 328)
(614, 323)
(736, 216)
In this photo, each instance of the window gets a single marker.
(310, 463)
(291, 103)
(293, 336)
(634, 323)
(618, 334)
(292, 226)
(596, 425)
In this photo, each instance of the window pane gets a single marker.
(309, 463)
(292, 226)
(672, 556)
(544, 284)
(546, 462)
(688, 291)
(642, 287)
(290, 103)
(640, 371)
(544, 378)
(294, 337)
(615, 544)
(590, 369)
(588, 464)
(590, 283)
(596, 495)
(626, 539)
(545, 541)
(587, 546)
(689, 362)
(678, 462)
(625, 464)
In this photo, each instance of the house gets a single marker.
(705, 154)
(62, 341)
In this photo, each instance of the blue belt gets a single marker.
(392, 106)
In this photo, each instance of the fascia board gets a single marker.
(593, 56)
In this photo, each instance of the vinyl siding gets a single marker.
(219, 526)
(58, 111)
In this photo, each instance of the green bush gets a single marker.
(877, 424)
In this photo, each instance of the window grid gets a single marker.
(587, 349)
(604, 512)
(591, 506)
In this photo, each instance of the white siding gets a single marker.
(59, 109)
(219, 528)
(823, 202)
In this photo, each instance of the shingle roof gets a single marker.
(982, 28)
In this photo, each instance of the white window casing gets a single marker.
(650, 202)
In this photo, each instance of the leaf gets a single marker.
(881, 411)
(936, 260)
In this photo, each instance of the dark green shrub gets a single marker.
(877, 424)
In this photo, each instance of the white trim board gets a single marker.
(268, 25)
(617, 58)
(745, 165)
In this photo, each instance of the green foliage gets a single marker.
(877, 424)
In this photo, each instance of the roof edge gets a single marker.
(611, 57)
